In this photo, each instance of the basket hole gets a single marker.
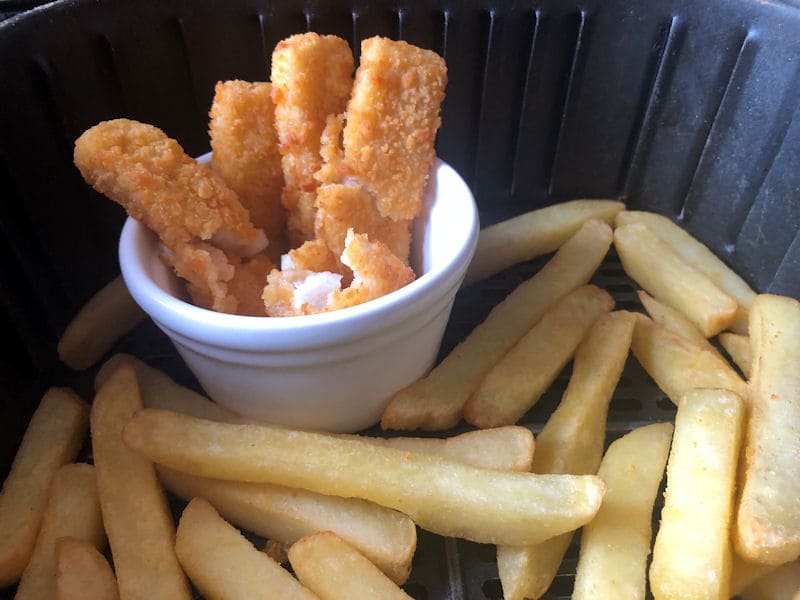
(627, 404)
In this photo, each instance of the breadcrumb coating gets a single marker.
(376, 272)
(246, 156)
(392, 120)
(311, 79)
(247, 284)
(342, 207)
(207, 272)
(151, 176)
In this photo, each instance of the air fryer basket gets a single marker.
(685, 107)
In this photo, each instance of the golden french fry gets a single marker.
(677, 365)
(615, 544)
(158, 390)
(442, 496)
(135, 512)
(738, 348)
(436, 401)
(332, 568)
(502, 448)
(223, 564)
(533, 234)
(571, 442)
(72, 510)
(673, 320)
(53, 438)
(692, 551)
(520, 378)
(698, 255)
(82, 573)
(782, 582)
(284, 515)
(768, 520)
(103, 320)
(662, 272)
(745, 573)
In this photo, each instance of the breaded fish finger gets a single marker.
(245, 145)
(311, 79)
(340, 207)
(151, 176)
(392, 120)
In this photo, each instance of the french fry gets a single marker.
(673, 320)
(768, 520)
(501, 448)
(677, 365)
(284, 515)
(158, 390)
(745, 573)
(82, 573)
(72, 510)
(442, 496)
(332, 568)
(135, 512)
(53, 438)
(223, 564)
(436, 401)
(103, 320)
(692, 551)
(661, 271)
(533, 234)
(571, 442)
(697, 254)
(738, 348)
(517, 382)
(614, 546)
(783, 582)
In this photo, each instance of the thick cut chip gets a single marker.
(745, 573)
(222, 563)
(738, 348)
(392, 120)
(53, 438)
(614, 546)
(571, 442)
(692, 551)
(135, 512)
(245, 145)
(673, 320)
(782, 582)
(442, 496)
(82, 573)
(768, 521)
(285, 514)
(698, 255)
(533, 234)
(332, 568)
(502, 448)
(73, 509)
(312, 76)
(520, 378)
(661, 271)
(99, 324)
(158, 390)
(679, 366)
(436, 401)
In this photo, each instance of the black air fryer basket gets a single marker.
(684, 107)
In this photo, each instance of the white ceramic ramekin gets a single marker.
(334, 371)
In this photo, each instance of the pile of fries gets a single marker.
(342, 510)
